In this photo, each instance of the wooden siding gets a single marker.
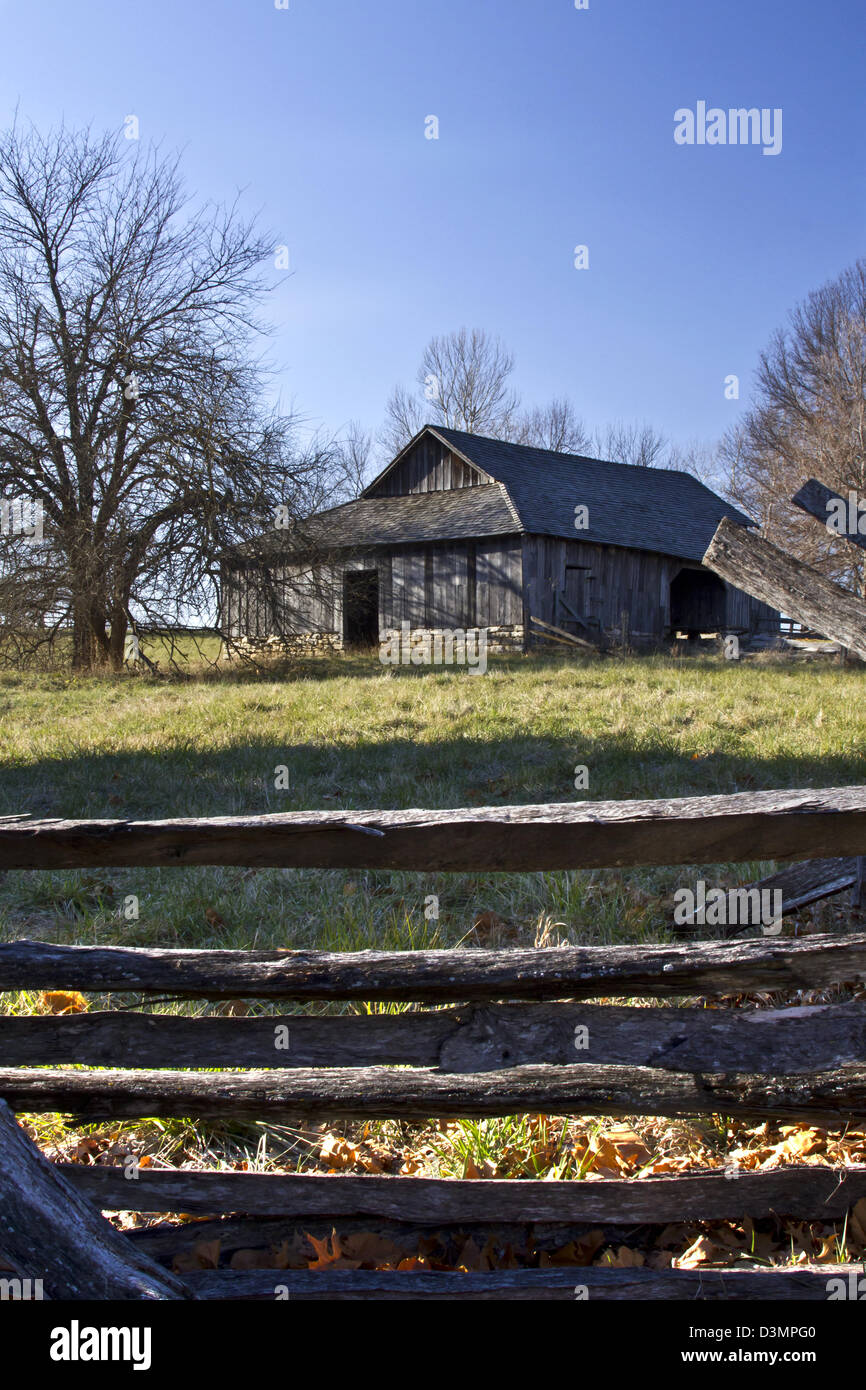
(450, 584)
(611, 580)
(459, 584)
(495, 582)
(428, 467)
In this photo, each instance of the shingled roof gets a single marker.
(462, 514)
(523, 491)
(657, 509)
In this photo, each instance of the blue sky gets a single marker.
(555, 129)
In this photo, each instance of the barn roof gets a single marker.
(522, 490)
(656, 509)
(420, 516)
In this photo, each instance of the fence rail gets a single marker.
(503, 1032)
(801, 824)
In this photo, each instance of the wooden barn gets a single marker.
(462, 532)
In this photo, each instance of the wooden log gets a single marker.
(802, 1282)
(804, 824)
(50, 1232)
(810, 881)
(559, 972)
(549, 637)
(806, 1194)
(830, 1098)
(164, 1240)
(483, 1038)
(562, 634)
(800, 884)
(816, 499)
(768, 574)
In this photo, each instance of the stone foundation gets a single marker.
(292, 644)
(502, 638)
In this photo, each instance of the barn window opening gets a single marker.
(361, 608)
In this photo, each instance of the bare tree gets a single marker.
(808, 418)
(640, 445)
(353, 462)
(462, 383)
(131, 407)
(703, 461)
(404, 417)
(555, 426)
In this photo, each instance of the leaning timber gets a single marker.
(51, 1232)
(800, 884)
(768, 574)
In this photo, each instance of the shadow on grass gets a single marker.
(395, 773)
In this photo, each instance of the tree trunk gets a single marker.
(86, 644)
(117, 638)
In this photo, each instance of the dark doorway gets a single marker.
(698, 602)
(361, 608)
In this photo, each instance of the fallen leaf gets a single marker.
(204, 1254)
(233, 1008)
(377, 1252)
(703, 1251)
(338, 1152)
(623, 1259)
(487, 923)
(329, 1254)
(58, 1001)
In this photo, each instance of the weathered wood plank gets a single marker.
(560, 972)
(804, 1193)
(815, 498)
(565, 636)
(803, 824)
(800, 884)
(767, 573)
(824, 1097)
(628, 1285)
(483, 1038)
(49, 1231)
(811, 881)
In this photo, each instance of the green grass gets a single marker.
(356, 736)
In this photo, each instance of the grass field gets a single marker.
(356, 736)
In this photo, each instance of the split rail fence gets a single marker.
(495, 1035)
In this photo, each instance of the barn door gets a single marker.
(361, 608)
(697, 602)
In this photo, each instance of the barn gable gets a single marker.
(428, 463)
(656, 509)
